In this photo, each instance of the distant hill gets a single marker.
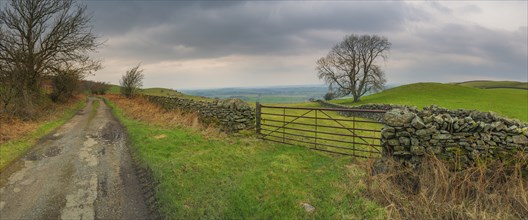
(507, 102)
(488, 84)
(278, 94)
(115, 89)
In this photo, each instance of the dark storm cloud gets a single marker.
(432, 41)
(504, 52)
(162, 30)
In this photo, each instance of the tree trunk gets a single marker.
(357, 98)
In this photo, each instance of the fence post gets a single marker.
(257, 117)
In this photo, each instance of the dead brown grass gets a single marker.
(141, 109)
(12, 127)
(495, 190)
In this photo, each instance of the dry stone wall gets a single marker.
(369, 115)
(232, 115)
(460, 137)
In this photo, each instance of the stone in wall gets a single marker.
(232, 115)
(458, 136)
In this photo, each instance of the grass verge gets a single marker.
(203, 175)
(15, 147)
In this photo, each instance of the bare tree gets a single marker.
(40, 38)
(350, 66)
(131, 81)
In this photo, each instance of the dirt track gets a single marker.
(83, 170)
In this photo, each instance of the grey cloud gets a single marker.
(506, 49)
(472, 9)
(505, 53)
(175, 30)
(244, 27)
(441, 8)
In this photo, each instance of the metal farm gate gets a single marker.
(322, 129)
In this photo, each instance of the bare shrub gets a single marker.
(492, 190)
(131, 81)
(329, 96)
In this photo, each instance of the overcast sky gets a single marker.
(213, 44)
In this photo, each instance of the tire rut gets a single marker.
(83, 170)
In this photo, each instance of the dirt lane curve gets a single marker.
(83, 170)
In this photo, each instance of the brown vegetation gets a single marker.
(13, 128)
(492, 190)
(96, 88)
(141, 109)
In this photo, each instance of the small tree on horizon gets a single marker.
(131, 82)
(329, 96)
(350, 67)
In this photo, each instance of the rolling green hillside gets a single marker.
(485, 84)
(511, 103)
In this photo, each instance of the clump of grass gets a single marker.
(493, 190)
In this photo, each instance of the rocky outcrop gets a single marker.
(232, 115)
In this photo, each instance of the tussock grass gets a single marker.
(492, 190)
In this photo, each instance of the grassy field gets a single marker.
(485, 84)
(278, 94)
(14, 148)
(511, 103)
(202, 176)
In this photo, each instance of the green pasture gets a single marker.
(512, 103)
(242, 177)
